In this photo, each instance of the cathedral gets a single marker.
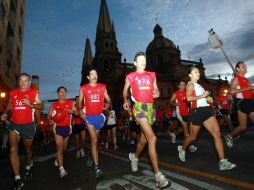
(163, 57)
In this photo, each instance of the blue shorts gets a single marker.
(63, 131)
(95, 120)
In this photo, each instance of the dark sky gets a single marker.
(56, 30)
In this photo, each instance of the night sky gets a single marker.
(55, 33)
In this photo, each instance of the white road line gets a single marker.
(171, 174)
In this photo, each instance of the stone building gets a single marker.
(11, 41)
(163, 57)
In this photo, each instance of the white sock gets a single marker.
(17, 177)
(61, 168)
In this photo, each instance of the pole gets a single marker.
(229, 62)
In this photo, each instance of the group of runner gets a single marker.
(93, 100)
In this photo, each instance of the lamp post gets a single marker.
(215, 42)
(2, 94)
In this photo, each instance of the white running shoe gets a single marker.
(173, 137)
(82, 153)
(181, 153)
(134, 162)
(229, 141)
(161, 181)
(192, 148)
(56, 163)
(62, 173)
(226, 165)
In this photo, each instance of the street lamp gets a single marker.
(2, 94)
(215, 42)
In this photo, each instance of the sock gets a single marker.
(61, 168)
(17, 177)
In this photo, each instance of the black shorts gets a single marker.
(77, 128)
(109, 127)
(199, 115)
(173, 119)
(245, 105)
(25, 131)
(224, 112)
(184, 118)
(134, 127)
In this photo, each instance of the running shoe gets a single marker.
(134, 162)
(98, 173)
(181, 153)
(161, 181)
(226, 165)
(82, 153)
(173, 137)
(56, 163)
(62, 173)
(18, 184)
(28, 174)
(229, 141)
(192, 148)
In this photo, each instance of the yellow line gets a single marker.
(219, 178)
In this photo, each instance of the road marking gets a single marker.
(235, 182)
(170, 174)
(50, 156)
(147, 180)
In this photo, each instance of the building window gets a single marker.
(20, 33)
(106, 44)
(111, 45)
(13, 5)
(8, 64)
(169, 91)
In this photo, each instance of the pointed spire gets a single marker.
(104, 23)
(88, 56)
(87, 60)
(113, 26)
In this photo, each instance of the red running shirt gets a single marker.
(223, 102)
(182, 109)
(67, 106)
(94, 98)
(21, 113)
(142, 86)
(243, 83)
(77, 119)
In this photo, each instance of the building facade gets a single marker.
(11, 42)
(163, 57)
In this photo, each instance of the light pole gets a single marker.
(215, 42)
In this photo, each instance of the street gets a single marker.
(200, 171)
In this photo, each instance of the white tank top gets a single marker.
(198, 91)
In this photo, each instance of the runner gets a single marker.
(143, 91)
(62, 129)
(223, 105)
(93, 95)
(111, 128)
(22, 103)
(79, 132)
(178, 99)
(243, 92)
(201, 114)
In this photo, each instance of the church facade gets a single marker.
(163, 57)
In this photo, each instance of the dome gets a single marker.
(159, 40)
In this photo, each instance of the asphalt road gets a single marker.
(200, 171)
